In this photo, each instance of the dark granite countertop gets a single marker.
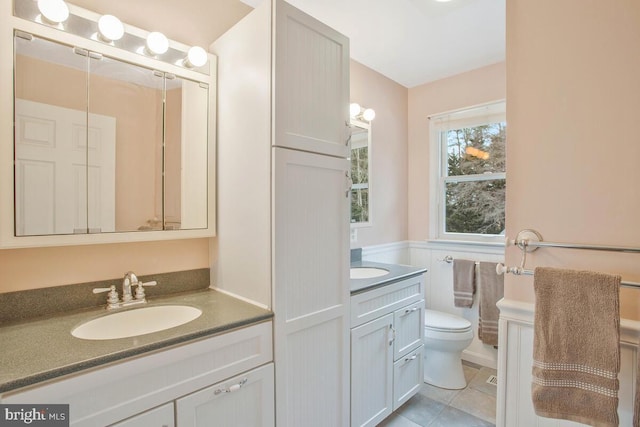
(43, 348)
(397, 272)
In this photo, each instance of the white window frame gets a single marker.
(477, 115)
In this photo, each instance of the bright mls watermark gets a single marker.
(34, 415)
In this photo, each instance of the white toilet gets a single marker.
(445, 336)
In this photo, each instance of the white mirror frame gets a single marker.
(9, 23)
(367, 126)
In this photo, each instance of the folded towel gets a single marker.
(491, 289)
(636, 404)
(464, 284)
(576, 346)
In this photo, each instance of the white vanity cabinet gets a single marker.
(155, 389)
(386, 349)
(162, 416)
(246, 400)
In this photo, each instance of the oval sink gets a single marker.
(367, 272)
(138, 321)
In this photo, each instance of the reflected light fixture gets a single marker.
(157, 43)
(196, 57)
(53, 11)
(359, 113)
(110, 28)
(354, 109)
(369, 114)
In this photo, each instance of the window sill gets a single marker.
(447, 244)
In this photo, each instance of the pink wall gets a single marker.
(22, 269)
(464, 90)
(573, 105)
(389, 154)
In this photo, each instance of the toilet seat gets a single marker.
(445, 322)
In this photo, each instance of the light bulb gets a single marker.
(110, 28)
(196, 57)
(157, 43)
(354, 109)
(53, 11)
(368, 114)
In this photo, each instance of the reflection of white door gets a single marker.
(52, 150)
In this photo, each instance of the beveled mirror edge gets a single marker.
(8, 240)
(365, 125)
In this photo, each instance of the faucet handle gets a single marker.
(140, 290)
(112, 296)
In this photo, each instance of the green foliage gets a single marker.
(476, 206)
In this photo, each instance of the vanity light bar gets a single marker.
(109, 29)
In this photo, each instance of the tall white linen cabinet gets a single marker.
(283, 200)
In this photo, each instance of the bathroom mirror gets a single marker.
(360, 174)
(109, 146)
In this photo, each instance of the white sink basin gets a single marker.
(367, 272)
(138, 321)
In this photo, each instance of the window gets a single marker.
(471, 180)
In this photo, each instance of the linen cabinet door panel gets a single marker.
(311, 84)
(408, 375)
(372, 371)
(245, 400)
(310, 291)
(162, 416)
(409, 325)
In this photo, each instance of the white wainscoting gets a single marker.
(439, 280)
(514, 407)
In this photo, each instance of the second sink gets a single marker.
(367, 272)
(137, 321)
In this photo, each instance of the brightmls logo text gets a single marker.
(34, 415)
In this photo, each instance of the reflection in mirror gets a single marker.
(360, 160)
(186, 135)
(50, 144)
(103, 145)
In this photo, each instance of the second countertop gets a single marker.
(396, 272)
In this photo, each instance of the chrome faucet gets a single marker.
(130, 279)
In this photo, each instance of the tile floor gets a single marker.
(474, 406)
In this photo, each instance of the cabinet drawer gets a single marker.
(409, 325)
(407, 376)
(369, 305)
(246, 400)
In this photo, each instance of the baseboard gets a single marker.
(479, 359)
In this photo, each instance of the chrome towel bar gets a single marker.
(529, 240)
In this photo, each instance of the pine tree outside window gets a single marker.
(471, 178)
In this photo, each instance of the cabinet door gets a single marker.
(409, 325)
(372, 371)
(246, 400)
(310, 289)
(311, 84)
(407, 376)
(161, 416)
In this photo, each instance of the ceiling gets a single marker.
(409, 41)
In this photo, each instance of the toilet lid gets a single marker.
(444, 321)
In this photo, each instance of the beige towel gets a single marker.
(491, 289)
(576, 346)
(464, 283)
